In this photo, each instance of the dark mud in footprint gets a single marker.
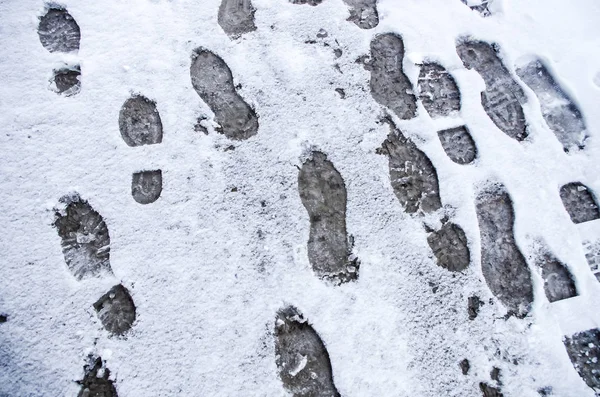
(146, 186)
(579, 202)
(84, 238)
(413, 177)
(67, 81)
(458, 144)
(323, 194)
(139, 122)
(502, 98)
(504, 267)
(558, 282)
(482, 7)
(489, 391)
(473, 306)
(438, 90)
(363, 13)
(236, 17)
(450, 246)
(302, 359)
(96, 382)
(560, 112)
(592, 255)
(58, 31)
(213, 81)
(390, 87)
(584, 351)
(116, 310)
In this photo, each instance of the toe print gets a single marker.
(449, 244)
(390, 87)
(558, 283)
(96, 381)
(438, 91)
(363, 13)
(58, 31)
(236, 17)
(213, 81)
(302, 359)
(504, 267)
(323, 194)
(502, 97)
(458, 145)
(579, 202)
(560, 112)
(146, 186)
(84, 238)
(584, 351)
(67, 81)
(116, 310)
(139, 122)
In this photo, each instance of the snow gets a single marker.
(205, 282)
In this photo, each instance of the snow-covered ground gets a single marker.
(224, 248)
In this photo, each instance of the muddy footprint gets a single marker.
(146, 186)
(363, 13)
(323, 194)
(502, 98)
(458, 145)
(558, 282)
(236, 17)
(584, 351)
(67, 81)
(390, 87)
(503, 265)
(116, 310)
(559, 111)
(450, 247)
(213, 81)
(96, 381)
(579, 202)
(301, 357)
(438, 90)
(58, 31)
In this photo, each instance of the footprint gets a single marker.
(146, 186)
(490, 391)
(96, 381)
(236, 17)
(116, 310)
(579, 202)
(558, 282)
(502, 97)
(481, 6)
(413, 177)
(458, 144)
(309, 2)
(504, 267)
(58, 31)
(584, 351)
(301, 357)
(363, 13)
(84, 238)
(390, 87)
(323, 194)
(592, 255)
(67, 81)
(560, 112)
(139, 122)
(449, 244)
(438, 90)
(213, 81)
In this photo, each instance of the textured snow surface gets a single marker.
(210, 263)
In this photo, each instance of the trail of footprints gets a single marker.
(301, 356)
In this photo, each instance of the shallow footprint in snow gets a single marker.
(438, 90)
(139, 122)
(390, 87)
(584, 351)
(363, 13)
(504, 267)
(481, 6)
(84, 238)
(558, 282)
(502, 97)
(67, 81)
(560, 112)
(490, 391)
(213, 81)
(301, 357)
(458, 144)
(58, 31)
(146, 186)
(116, 310)
(450, 247)
(413, 176)
(236, 17)
(96, 382)
(323, 194)
(579, 202)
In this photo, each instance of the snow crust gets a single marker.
(209, 267)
